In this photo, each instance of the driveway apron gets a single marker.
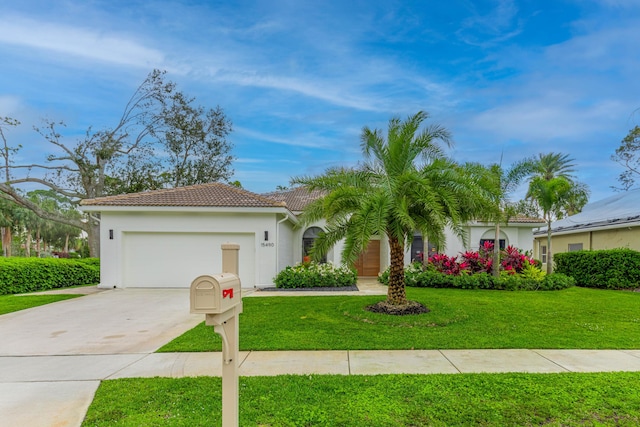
(111, 322)
(53, 357)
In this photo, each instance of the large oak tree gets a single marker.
(162, 139)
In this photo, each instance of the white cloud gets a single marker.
(9, 105)
(545, 119)
(302, 140)
(85, 43)
(498, 25)
(247, 160)
(309, 87)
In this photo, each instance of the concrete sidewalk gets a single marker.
(16, 369)
(69, 382)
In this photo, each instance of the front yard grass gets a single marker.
(383, 400)
(11, 303)
(575, 318)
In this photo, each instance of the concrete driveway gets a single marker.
(104, 332)
(111, 322)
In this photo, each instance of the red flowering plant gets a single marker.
(513, 260)
(480, 261)
(447, 265)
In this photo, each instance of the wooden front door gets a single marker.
(368, 265)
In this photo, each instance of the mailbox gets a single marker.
(215, 294)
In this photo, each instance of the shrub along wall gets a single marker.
(20, 275)
(608, 269)
(313, 275)
(416, 277)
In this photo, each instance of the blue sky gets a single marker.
(299, 79)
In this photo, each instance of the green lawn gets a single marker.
(599, 399)
(575, 318)
(11, 303)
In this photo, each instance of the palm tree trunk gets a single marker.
(396, 294)
(27, 246)
(7, 239)
(496, 252)
(38, 242)
(549, 254)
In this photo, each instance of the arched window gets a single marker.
(309, 236)
(490, 236)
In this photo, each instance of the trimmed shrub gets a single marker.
(21, 275)
(556, 281)
(314, 275)
(529, 280)
(606, 269)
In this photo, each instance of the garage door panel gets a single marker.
(175, 259)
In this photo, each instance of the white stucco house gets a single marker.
(166, 238)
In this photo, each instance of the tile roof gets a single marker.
(296, 198)
(201, 195)
(526, 220)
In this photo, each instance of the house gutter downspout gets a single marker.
(286, 217)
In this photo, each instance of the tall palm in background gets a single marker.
(406, 183)
(554, 165)
(555, 191)
(507, 181)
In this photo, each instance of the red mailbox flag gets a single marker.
(227, 293)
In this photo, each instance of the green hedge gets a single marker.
(20, 275)
(312, 275)
(607, 269)
(516, 282)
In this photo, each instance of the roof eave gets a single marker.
(182, 209)
(587, 227)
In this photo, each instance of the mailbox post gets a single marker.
(219, 298)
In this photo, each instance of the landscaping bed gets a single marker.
(353, 288)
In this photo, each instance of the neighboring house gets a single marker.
(166, 238)
(609, 223)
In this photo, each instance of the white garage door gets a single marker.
(173, 260)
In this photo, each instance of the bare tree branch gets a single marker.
(46, 183)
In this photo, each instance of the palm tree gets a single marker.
(556, 192)
(405, 184)
(553, 165)
(549, 195)
(508, 181)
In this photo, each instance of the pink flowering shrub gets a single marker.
(480, 261)
(512, 261)
(446, 264)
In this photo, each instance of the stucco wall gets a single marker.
(286, 234)
(623, 237)
(186, 222)
(520, 236)
(627, 237)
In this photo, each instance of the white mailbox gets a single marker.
(215, 294)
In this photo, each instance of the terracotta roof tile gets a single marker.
(202, 195)
(296, 199)
(526, 220)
